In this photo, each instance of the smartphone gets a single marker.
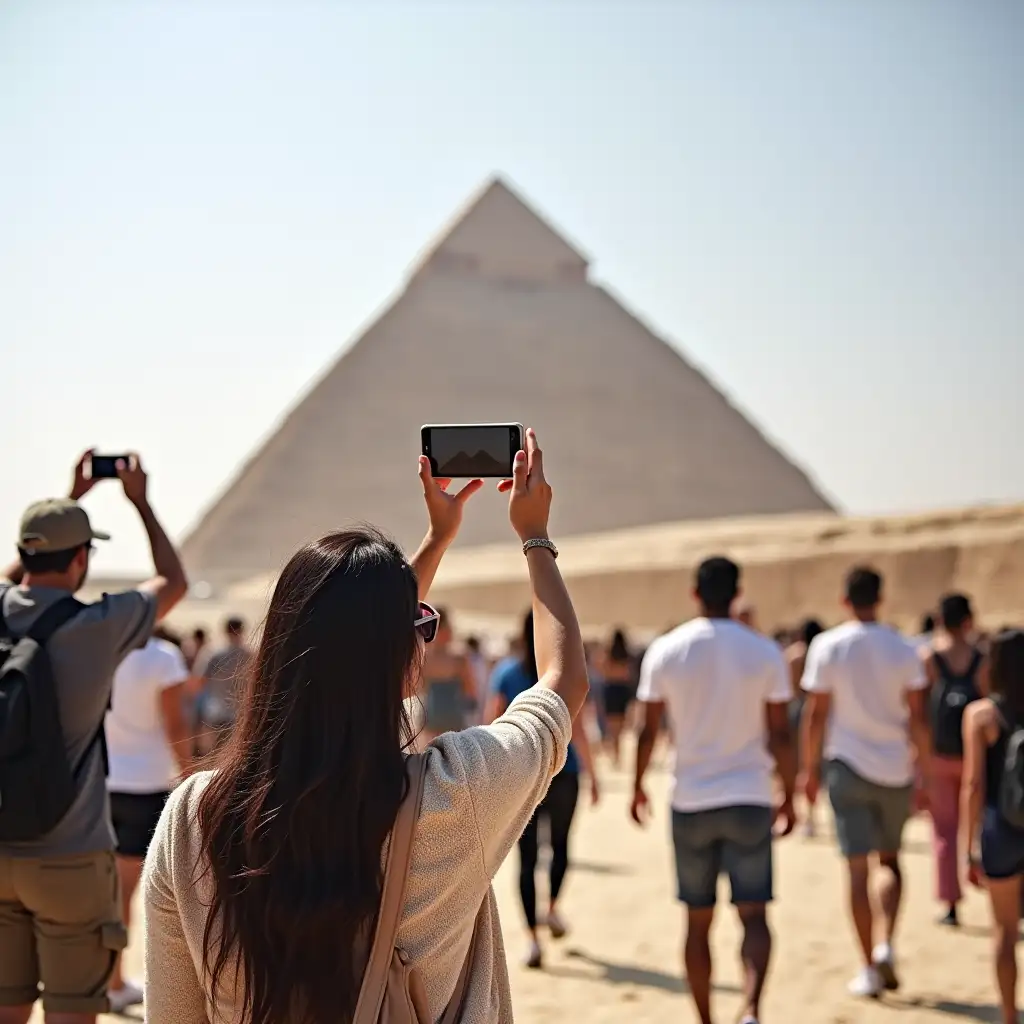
(104, 467)
(471, 450)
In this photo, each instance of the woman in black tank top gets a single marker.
(987, 726)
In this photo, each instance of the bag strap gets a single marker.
(5, 630)
(396, 872)
(976, 661)
(53, 618)
(941, 666)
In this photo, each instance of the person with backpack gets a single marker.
(992, 803)
(60, 910)
(954, 667)
(265, 898)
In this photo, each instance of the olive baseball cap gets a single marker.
(56, 524)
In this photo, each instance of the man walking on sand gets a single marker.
(727, 692)
(60, 911)
(867, 685)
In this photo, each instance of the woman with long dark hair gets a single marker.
(265, 880)
(617, 669)
(558, 808)
(989, 814)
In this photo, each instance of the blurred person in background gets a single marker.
(796, 658)
(511, 678)
(60, 910)
(194, 647)
(992, 804)
(727, 692)
(220, 675)
(617, 669)
(481, 668)
(449, 684)
(746, 613)
(149, 748)
(866, 721)
(955, 667)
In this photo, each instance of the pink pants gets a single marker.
(945, 801)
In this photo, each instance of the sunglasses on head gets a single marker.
(427, 622)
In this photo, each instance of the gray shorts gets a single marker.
(869, 817)
(735, 840)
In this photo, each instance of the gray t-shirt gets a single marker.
(84, 653)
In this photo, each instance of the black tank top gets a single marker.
(995, 758)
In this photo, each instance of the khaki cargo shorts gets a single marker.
(60, 927)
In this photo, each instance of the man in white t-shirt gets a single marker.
(148, 747)
(727, 692)
(866, 684)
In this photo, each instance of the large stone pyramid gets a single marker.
(499, 322)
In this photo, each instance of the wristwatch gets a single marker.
(540, 542)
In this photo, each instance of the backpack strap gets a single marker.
(396, 872)
(53, 618)
(976, 661)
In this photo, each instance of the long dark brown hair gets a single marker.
(1006, 671)
(294, 822)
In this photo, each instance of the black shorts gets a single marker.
(135, 817)
(617, 698)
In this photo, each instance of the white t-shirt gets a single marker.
(868, 668)
(715, 677)
(141, 759)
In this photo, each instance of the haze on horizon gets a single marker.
(821, 205)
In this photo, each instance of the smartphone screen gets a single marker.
(104, 467)
(472, 450)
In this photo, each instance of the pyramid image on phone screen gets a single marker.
(464, 464)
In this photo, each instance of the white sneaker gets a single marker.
(534, 959)
(884, 961)
(556, 925)
(121, 998)
(867, 984)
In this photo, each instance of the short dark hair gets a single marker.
(955, 610)
(199, 635)
(473, 644)
(48, 561)
(810, 629)
(718, 582)
(863, 587)
(234, 626)
(927, 623)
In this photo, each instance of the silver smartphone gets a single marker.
(471, 450)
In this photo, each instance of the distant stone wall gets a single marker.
(986, 563)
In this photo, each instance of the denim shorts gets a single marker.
(734, 840)
(869, 817)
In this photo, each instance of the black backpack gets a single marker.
(950, 696)
(37, 780)
(1011, 785)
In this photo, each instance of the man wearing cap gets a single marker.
(60, 915)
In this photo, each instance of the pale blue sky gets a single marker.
(822, 203)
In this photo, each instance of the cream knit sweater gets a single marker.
(481, 788)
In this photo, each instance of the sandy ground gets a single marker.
(621, 960)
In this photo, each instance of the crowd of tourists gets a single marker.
(316, 822)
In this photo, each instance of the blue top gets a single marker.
(510, 679)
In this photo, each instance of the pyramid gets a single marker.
(498, 322)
